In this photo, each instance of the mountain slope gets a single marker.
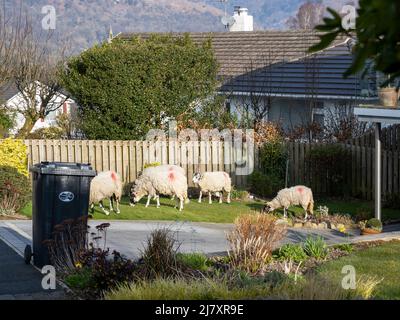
(85, 22)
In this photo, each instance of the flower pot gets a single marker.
(367, 231)
(389, 97)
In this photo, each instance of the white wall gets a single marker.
(17, 103)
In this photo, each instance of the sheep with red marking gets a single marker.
(294, 196)
(214, 182)
(106, 185)
(160, 180)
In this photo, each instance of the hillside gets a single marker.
(85, 22)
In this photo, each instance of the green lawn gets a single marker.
(220, 213)
(382, 262)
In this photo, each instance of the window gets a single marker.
(318, 116)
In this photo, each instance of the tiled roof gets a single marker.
(277, 62)
(7, 92)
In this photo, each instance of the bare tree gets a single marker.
(308, 16)
(255, 106)
(341, 124)
(35, 74)
(11, 25)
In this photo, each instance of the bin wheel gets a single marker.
(28, 254)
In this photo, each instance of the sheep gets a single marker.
(213, 182)
(106, 185)
(155, 181)
(166, 167)
(294, 196)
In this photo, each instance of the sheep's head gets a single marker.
(268, 208)
(136, 193)
(197, 177)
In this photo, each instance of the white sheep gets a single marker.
(156, 181)
(294, 196)
(106, 185)
(213, 182)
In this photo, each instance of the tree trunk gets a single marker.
(26, 128)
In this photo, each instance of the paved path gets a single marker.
(129, 237)
(19, 281)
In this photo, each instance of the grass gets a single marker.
(382, 261)
(180, 289)
(217, 213)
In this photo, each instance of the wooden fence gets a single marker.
(357, 166)
(128, 158)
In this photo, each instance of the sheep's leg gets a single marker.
(181, 200)
(158, 201)
(148, 201)
(201, 195)
(284, 213)
(209, 197)
(220, 197)
(306, 214)
(117, 204)
(92, 208)
(102, 208)
(111, 203)
(228, 199)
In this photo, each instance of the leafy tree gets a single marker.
(377, 35)
(6, 121)
(128, 87)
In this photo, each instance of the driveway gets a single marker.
(129, 237)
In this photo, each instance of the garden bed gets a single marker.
(252, 269)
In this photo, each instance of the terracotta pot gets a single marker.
(389, 97)
(367, 231)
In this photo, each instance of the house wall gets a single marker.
(289, 112)
(17, 102)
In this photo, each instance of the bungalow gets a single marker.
(12, 99)
(271, 75)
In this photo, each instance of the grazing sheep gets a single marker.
(155, 181)
(298, 195)
(106, 185)
(213, 182)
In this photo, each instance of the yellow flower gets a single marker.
(78, 265)
(342, 229)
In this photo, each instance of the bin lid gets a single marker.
(64, 169)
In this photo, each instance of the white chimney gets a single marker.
(243, 21)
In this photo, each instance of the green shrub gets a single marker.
(292, 252)
(374, 224)
(328, 164)
(128, 87)
(315, 247)
(269, 178)
(265, 185)
(15, 191)
(237, 194)
(364, 213)
(346, 247)
(195, 261)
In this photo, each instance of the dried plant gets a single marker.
(252, 241)
(159, 256)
